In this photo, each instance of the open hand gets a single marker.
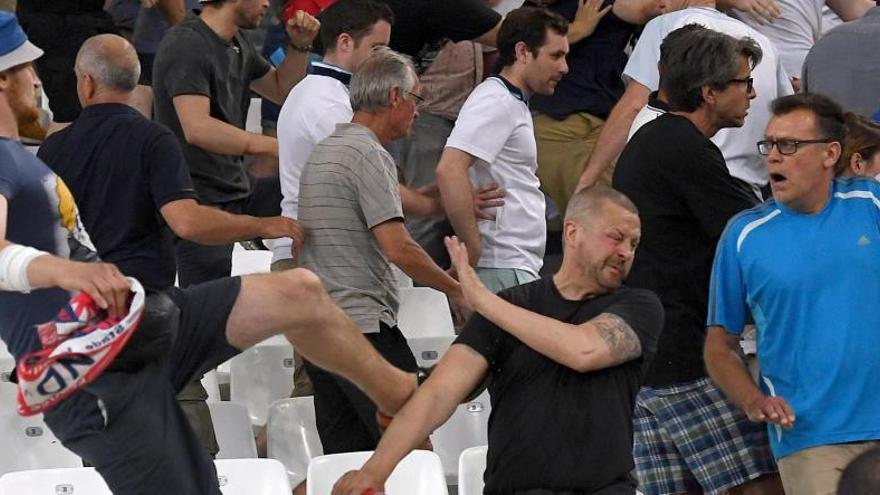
(487, 197)
(771, 410)
(762, 11)
(587, 17)
(472, 287)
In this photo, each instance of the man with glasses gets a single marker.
(349, 204)
(642, 77)
(687, 436)
(804, 266)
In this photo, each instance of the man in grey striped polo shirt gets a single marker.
(349, 204)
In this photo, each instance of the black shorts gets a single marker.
(130, 427)
(346, 418)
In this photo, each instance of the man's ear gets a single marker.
(521, 50)
(709, 94)
(856, 164)
(395, 96)
(832, 154)
(4, 80)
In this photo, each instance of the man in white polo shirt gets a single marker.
(494, 142)
(737, 145)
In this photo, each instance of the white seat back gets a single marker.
(471, 466)
(259, 376)
(467, 427)
(424, 312)
(29, 444)
(293, 436)
(429, 350)
(247, 261)
(232, 426)
(211, 385)
(419, 473)
(8, 390)
(65, 481)
(252, 477)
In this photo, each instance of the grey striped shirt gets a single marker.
(347, 187)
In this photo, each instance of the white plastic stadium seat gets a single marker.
(419, 473)
(467, 427)
(261, 375)
(246, 261)
(29, 444)
(8, 390)
(429, 350)
(424, 312)
(293, 436)
(252, 477)
(471, 466)
(211, 385)
(65, 481)
(232, 426)
(253, 122)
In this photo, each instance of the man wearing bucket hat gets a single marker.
(128, 424)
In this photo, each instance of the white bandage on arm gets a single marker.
(14, 261)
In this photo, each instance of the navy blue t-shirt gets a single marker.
(595, 64)
(122, 168)
(41, 214)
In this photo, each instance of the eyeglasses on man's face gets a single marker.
(419, 99)
(787, 146)
(749, 82)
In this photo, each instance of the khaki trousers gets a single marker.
(816, 471)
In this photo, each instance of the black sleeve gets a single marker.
(484, 337)
(643, 312)
(168, 172)
(461, 20)
(715, 196)
(187, 71)
(257, 64)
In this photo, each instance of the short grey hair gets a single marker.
(588, 203)
(383, 70)
(111, 61)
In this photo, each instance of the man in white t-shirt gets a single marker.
(737, 145)
(494, 142)
(350, 29)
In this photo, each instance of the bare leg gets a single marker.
(300, 489)
(769, 484)
(295, 304)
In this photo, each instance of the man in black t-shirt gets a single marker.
(688, 436)
(421, 22)
(204, 72)
(566, 356)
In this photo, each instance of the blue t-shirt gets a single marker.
(812, 284)
(41, 214)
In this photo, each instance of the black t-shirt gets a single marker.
(679, 181)
(193, 60)
(122, 168)
(552, 427)
(595, 64)
(419, 22)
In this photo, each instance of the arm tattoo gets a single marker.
(622, 341)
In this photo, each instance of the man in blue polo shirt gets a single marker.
(804, 266)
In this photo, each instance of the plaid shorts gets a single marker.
(690, 437)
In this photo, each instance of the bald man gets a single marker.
(128, 172)
(111, 152)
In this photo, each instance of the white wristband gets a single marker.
(14, 261)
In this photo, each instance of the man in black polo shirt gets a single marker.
(130, 179)
(566, 356)
(689, 438)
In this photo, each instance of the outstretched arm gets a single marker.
(456, 375)
(602, 342)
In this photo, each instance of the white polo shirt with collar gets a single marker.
(495, 126)
(309, 114)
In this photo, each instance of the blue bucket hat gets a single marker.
(15, 49)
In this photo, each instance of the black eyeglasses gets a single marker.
(419, 99)
(749, 82)
(787, 146)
